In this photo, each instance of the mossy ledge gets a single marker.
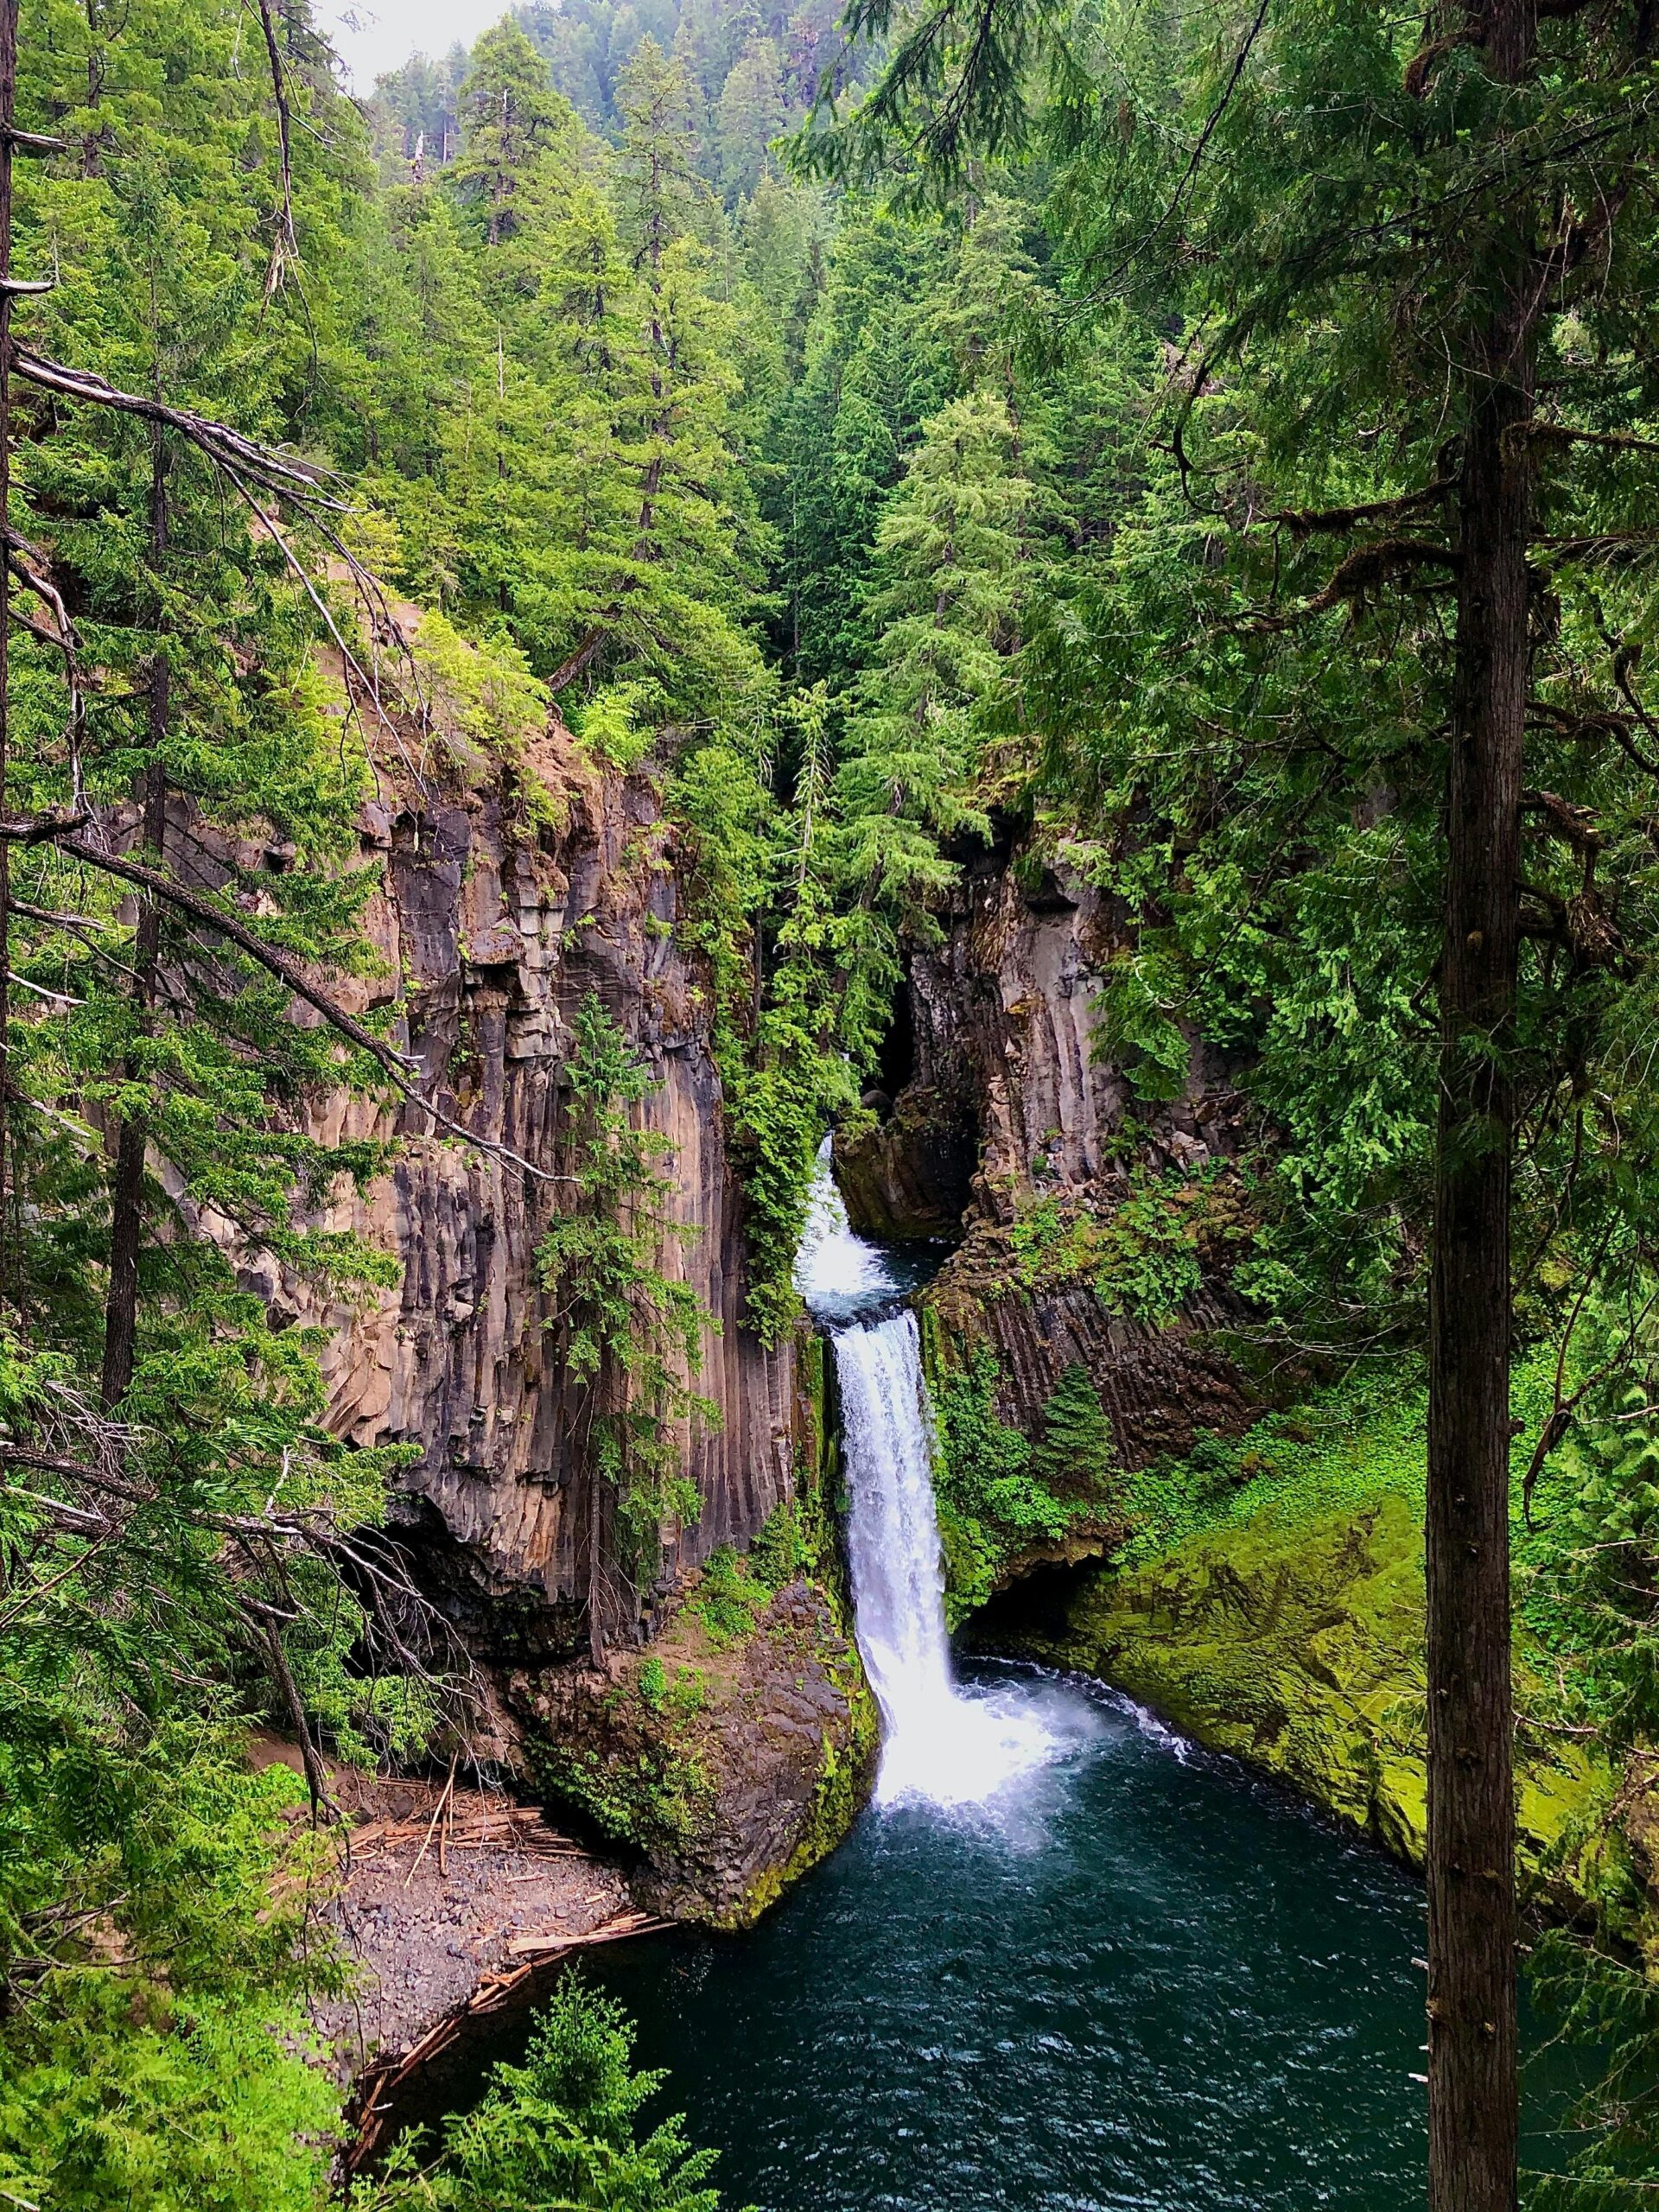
(725, 1759)
(1298, 1646)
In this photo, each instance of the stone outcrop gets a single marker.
(502, 901)
(1008, 1105)
(724, 1764)
(1297, 1643)
(1001, 1019)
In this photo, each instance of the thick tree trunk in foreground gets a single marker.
(1473, 2101)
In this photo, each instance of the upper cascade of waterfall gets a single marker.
(940, 1745)
(837, 1273)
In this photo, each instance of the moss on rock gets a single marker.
(727, 1757)
(1297, 1643)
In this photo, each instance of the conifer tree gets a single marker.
(749, 117)
(1077, 1449)
(949, 554)
(510, 113)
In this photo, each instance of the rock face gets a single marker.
(1008, 1113)
(726, 1764)
(1003, 1052)
(494, 930)
(504, 904)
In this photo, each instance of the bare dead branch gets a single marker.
(569, 670)
(285, 247)
(303, 481)
(54, 826)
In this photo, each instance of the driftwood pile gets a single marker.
(460, 1823)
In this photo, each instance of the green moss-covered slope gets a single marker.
(1269, 1602)
(1298, 1644)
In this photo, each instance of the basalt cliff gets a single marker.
(1007, 1129)
(503, 901)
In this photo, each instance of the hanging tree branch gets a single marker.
(285, 246)
(394, 1065)
(1303, 522)
(1363, 571)
(302, 482)
(317, 496)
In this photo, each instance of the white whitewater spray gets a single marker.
(938, 1745)
(836, 1274)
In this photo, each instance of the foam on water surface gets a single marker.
(941, 1745)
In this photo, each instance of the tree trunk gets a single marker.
(1472, 2098)
(599, 1516)
(127, 1194)
(10, 1271)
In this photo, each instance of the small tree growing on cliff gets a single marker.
(632, 1336)
(1077, 1449)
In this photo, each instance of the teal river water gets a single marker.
(1149, 1980)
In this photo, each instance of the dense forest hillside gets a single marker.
(684, 578)
(745, 76)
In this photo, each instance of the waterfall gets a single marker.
(940, 1743)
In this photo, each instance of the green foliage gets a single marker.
(949, 551)
(1144, 1251)
(784, 1549)
(687, 1693)
(156, 2051)
(652, 1798)
(631, 1335)
(1588, 1584)
(730, 1597)
(758, 894)
(735, 1588)
(998, 1494)
(1077, 1449)
(562, 2130)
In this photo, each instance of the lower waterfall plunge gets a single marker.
(940, 1743)
(1067, 1960)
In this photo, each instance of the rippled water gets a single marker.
(1149, 1982)
(1065, 1962)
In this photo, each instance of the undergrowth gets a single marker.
(1360, 1438)
(996, 1492)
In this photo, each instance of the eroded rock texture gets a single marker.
(1005, 1104)
(1006, 1101)
(494, 931)
(725, 1769)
